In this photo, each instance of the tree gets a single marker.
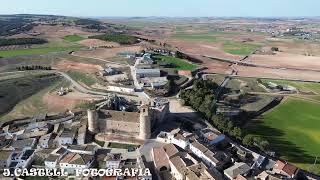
(237, 133)
(248, 140)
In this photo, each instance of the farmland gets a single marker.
(73, 38)
(293, 129)
(36, 51)
(238, 48)
(179, 64)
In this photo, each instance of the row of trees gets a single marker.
(21, 41)
(33, 67)
(201, 98)
(119, 38)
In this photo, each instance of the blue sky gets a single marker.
(170, 8)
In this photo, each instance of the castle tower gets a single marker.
(92, 121)
(145, 122)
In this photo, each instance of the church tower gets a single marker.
(145, 122)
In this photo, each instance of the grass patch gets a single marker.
(179, 64)
(85, 78)
(122, 146)
(292, 128)
(25, 94)
(239, 48)
(73, 38)
(37, 51)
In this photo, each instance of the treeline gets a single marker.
(14, 26)
(119, 38)
(33, 67)
(202, 99)
(21, 41)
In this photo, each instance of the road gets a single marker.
(135, 96)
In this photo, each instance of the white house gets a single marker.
(211, 137)
(5, 158)
(236, 169)
(51, 161)
(198, 149)
(22, 159)
(176, 137)
(44, 141)
(83, 149)
(66, 137)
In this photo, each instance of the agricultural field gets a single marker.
(24, 87)
(73, 38)
(239, 48)
(87, 79)
(204, 37)
(179, 64)
(293, 130)
(36, 51)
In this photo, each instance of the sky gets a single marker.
(164, 8)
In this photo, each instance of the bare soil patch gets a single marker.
(97, 43)
(69, 65)
(105, 53)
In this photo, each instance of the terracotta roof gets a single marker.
(170, 150)
(75, 158)
(279, 165)
(178, 164)
(290, 169)
(287, 168)
(159, 157)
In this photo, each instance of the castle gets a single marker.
(132, 124)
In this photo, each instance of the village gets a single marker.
(118, 133)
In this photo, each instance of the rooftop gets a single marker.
(20, 144)
(170, 150)
(82, 147)
(75, 158)
(159, 157)
(52, 158)
(5, 154)
(199, 146)
(238, 168)
(178, 163)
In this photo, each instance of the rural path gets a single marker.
(79, 87)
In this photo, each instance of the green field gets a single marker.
(73, 38)
(179, 64)
(239, 48)
(37, 51)
(85, 78)
(293, 130)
